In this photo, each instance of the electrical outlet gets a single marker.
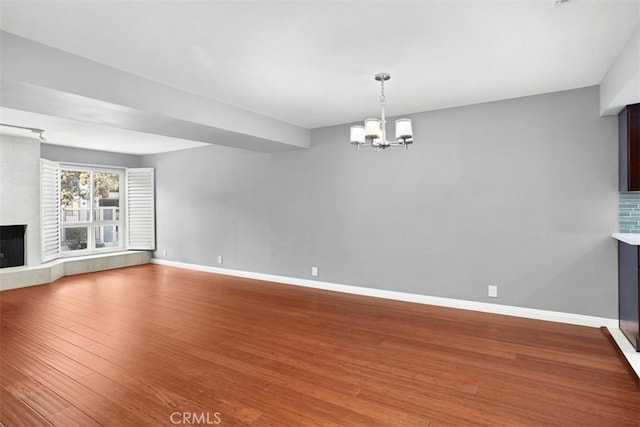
(314, 271)
(164, 252)
(219, 259)
(493, 291)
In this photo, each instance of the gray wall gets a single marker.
(520, 193)
(59, 153)
(20, 189)
(214, 201)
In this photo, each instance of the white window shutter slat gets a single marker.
(141, 230)
(50, 209)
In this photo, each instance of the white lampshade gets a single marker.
(404, 128)
(357, 134)
(373, 129)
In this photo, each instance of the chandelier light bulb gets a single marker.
(404, 128)
(372, 129)
(357, 134)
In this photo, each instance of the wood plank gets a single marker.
(132, 401)
(29, 391)
(72, 417)
(134, 345)
(45, 354)
(81, 397)
(14, 412)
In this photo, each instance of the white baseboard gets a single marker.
(628, 351)
(529, 313)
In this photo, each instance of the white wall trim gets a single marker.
(529, 313)
(628, 351)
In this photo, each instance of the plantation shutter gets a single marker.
(141, 230)
(50, 209)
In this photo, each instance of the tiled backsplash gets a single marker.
(629, 212)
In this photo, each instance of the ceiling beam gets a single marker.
(45, 80)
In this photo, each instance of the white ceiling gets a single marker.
(311, 63)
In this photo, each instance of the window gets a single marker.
(90, 209)
(90, 204)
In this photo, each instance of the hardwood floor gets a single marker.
(160, 346)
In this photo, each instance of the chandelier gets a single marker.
(374, 132)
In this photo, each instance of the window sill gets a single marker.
(84, 253)
(18, 277)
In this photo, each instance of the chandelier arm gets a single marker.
(399, 143)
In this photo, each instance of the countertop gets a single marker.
(629, 238)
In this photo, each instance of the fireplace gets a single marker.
(12, 245)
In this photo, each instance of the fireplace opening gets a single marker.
(12, 245)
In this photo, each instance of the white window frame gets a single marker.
(92, 223)
(136, 226)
